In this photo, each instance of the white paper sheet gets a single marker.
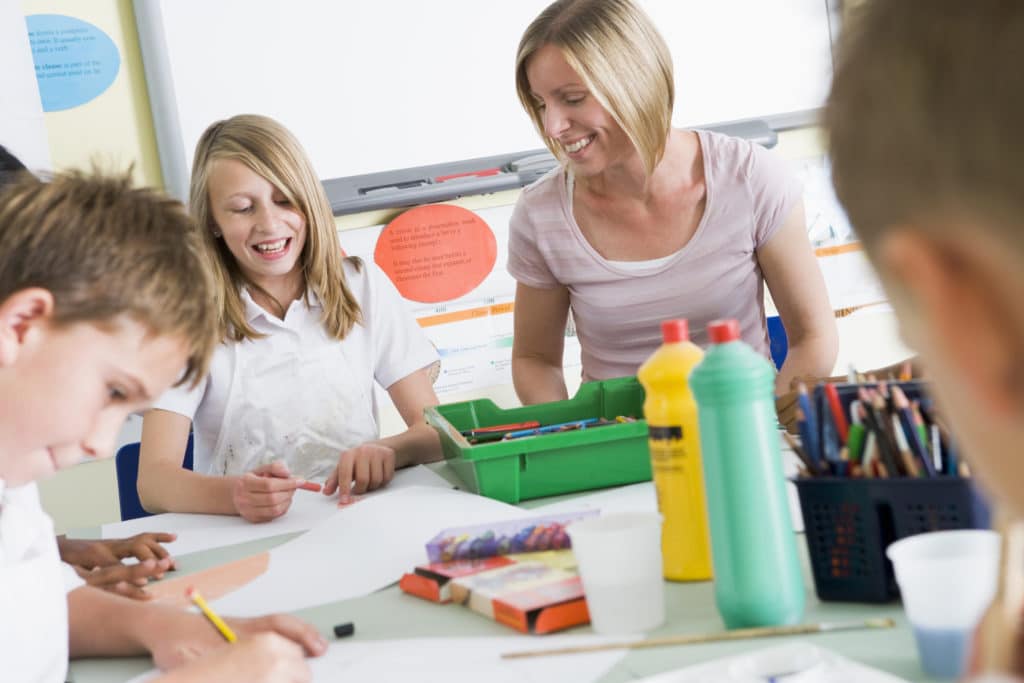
(201, 532)
(793, 663)
(362, 548)
(642, 498)
(456, 660)
(631, 498)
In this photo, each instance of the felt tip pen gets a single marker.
(482, 173)
(310, 486)
(477, 431)
(192, 594)
(548, 429)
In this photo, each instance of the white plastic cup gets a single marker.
(619, 561)
(947, 580)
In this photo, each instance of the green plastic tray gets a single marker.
(549, 464)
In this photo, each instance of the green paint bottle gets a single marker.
(758, 581)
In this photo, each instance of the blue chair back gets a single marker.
(777, 341)
(126, 463)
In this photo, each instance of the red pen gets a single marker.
(310, 486)
(482, 173)
(842, 427)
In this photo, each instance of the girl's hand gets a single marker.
(265, 493)
(361, 469)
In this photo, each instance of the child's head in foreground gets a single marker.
(104, 304)
(924, 124)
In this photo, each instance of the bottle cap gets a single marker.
(675, 330)
(722, 331)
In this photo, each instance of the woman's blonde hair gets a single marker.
(272, 152)
(615, 48)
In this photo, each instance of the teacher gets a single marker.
(643, 222)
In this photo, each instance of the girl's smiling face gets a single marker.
(260, 226)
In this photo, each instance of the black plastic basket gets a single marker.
(849, 523)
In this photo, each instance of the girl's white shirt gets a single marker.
(297, 394)
(33, 591)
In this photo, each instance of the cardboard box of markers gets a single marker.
(596, 439)
(520, 573)
(878, 465)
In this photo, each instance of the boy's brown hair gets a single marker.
(925, 114)
(104, 249)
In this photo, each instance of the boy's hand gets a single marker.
(262, 658)
(126, 580)
(265, 493)
(361, 469)
(90, 554)
(175, 636)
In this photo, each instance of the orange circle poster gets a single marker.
(437, 252)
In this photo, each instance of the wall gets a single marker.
(116, 129)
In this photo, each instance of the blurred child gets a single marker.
(306, 333)
(924, 131)
(103, 305)
(98, 561)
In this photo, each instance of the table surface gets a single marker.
(690, 608)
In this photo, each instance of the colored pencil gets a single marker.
(211, 616)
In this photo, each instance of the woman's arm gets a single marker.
(538, 341)
(794, 279)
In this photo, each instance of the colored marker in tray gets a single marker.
(534, 428)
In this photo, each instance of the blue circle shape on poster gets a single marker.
(75, 61)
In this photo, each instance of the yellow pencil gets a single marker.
(217, 622)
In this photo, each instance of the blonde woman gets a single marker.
(643, 222)
(306, 334)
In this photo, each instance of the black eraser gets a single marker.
(342, 630)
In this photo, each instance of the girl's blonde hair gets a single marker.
(615, 48)
(272, 152)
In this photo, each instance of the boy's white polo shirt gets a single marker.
(297, 394)
(33, 591)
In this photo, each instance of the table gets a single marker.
(690, 608)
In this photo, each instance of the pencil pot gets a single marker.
(848, 524)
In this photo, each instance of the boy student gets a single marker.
(99, 561)
(103, 303)
(924, 132)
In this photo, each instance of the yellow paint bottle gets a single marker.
(671, 414)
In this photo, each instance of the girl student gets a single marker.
(643, 222)
(306, 333)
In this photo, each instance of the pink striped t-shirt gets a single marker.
(618, 311)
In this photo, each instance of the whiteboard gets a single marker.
(379, 85)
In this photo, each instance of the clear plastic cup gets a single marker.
(947, 579)
(619, 561)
